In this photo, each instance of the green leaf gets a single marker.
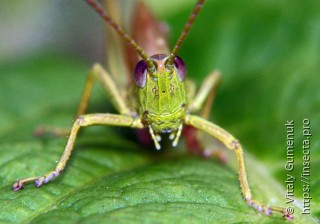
(268, 53)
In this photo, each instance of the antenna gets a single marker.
(122, 33)
(185, 31)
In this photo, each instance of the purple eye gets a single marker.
(181, 68)
(140, 73)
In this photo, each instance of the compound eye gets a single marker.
(140, 73)
(180, 67)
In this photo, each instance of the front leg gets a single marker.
(233, 144)
(84, 120)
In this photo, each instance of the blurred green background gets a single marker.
(267, 51)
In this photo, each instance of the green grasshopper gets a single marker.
(162, 104)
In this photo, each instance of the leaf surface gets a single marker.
(269, 57)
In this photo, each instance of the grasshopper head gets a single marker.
(161, 95)
(161, 92)
(162, 67)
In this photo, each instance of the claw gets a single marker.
(17, 186)
(288, 216)
(268, 210)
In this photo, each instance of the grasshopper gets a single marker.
(162, 104)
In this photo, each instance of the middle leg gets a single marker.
(202, 104)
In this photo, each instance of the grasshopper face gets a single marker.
(164, 109)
